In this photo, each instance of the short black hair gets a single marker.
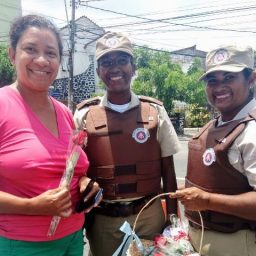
(22, 23)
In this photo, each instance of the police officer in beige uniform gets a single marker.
(221, 174)
(131, 143)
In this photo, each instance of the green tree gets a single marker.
(195, 67)
(142, 57)
(6, 68)
(158, 77)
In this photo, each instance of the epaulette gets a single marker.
(88, 102)
(150, 99)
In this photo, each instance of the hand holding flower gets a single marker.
(52, 202)
(76, 141)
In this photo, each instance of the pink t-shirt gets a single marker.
(32, 160)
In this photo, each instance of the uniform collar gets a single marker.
(133, 103)
(249, 107)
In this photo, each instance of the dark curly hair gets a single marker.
(21, 24)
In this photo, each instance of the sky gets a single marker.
(163, 24)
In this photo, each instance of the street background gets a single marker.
(180, 159)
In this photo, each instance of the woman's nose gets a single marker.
(41, 60)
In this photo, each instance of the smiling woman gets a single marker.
(138, 141)
(34, 136)
(229, 88)
(221, 172)
(36, 59)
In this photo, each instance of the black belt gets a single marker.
(122, 209)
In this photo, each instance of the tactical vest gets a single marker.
(124, 154)
(220, 176)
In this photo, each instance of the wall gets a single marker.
(9, 9)
(84, 63)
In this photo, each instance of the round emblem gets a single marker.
(220, 56)
(141, 135)
(112, 42)
(209, 156)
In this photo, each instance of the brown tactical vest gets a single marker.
(124, 167)
(220, 176)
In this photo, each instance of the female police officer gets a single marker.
(221, 174)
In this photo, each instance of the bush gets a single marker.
(6, 69)
(197, 116)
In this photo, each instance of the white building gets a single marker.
(84, 63)
(9, 10)
(185, 57)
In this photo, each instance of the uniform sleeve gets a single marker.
(166, 135)
(242, 154)
(79, 117)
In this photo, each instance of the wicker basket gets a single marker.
(133, 250)
(149, 244)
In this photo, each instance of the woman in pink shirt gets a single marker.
(34, 135)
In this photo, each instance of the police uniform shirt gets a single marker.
(242, 153)
(166, 135)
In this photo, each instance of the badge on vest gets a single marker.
(141, 135)
(209, 156)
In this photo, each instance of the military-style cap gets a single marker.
(230, 58)
(112, 42)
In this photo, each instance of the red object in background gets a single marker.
(165, 210)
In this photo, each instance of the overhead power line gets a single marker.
(167, 20)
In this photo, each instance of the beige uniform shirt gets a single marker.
(166, 134)
(242, 153)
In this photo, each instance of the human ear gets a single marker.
(11, 54)
(98, 72)
(252, 79)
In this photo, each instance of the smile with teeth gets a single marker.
(222, 96)
(114, 78)
(38, 72)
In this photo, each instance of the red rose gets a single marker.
(79, 137)
(160, 241)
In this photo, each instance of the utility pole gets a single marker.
(71, 56)
(72, 30)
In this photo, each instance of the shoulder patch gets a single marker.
(88, 102)
(150, 99)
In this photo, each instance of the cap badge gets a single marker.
(141, 135)
(220, 56)
(209, 156)
(112, 42)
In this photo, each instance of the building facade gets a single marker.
(9, 10)
(185, 57)
(84, 63)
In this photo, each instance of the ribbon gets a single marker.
(127, 240)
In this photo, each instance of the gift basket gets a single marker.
(174, 240)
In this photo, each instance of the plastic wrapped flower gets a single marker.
(77, 140)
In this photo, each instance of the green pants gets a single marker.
(71, 245)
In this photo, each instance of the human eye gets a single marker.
(105, 63)
(52, 54)
(211, 81)
(123, 60)
(29, 49)
(229, 78)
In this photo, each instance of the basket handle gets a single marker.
(167, 194)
